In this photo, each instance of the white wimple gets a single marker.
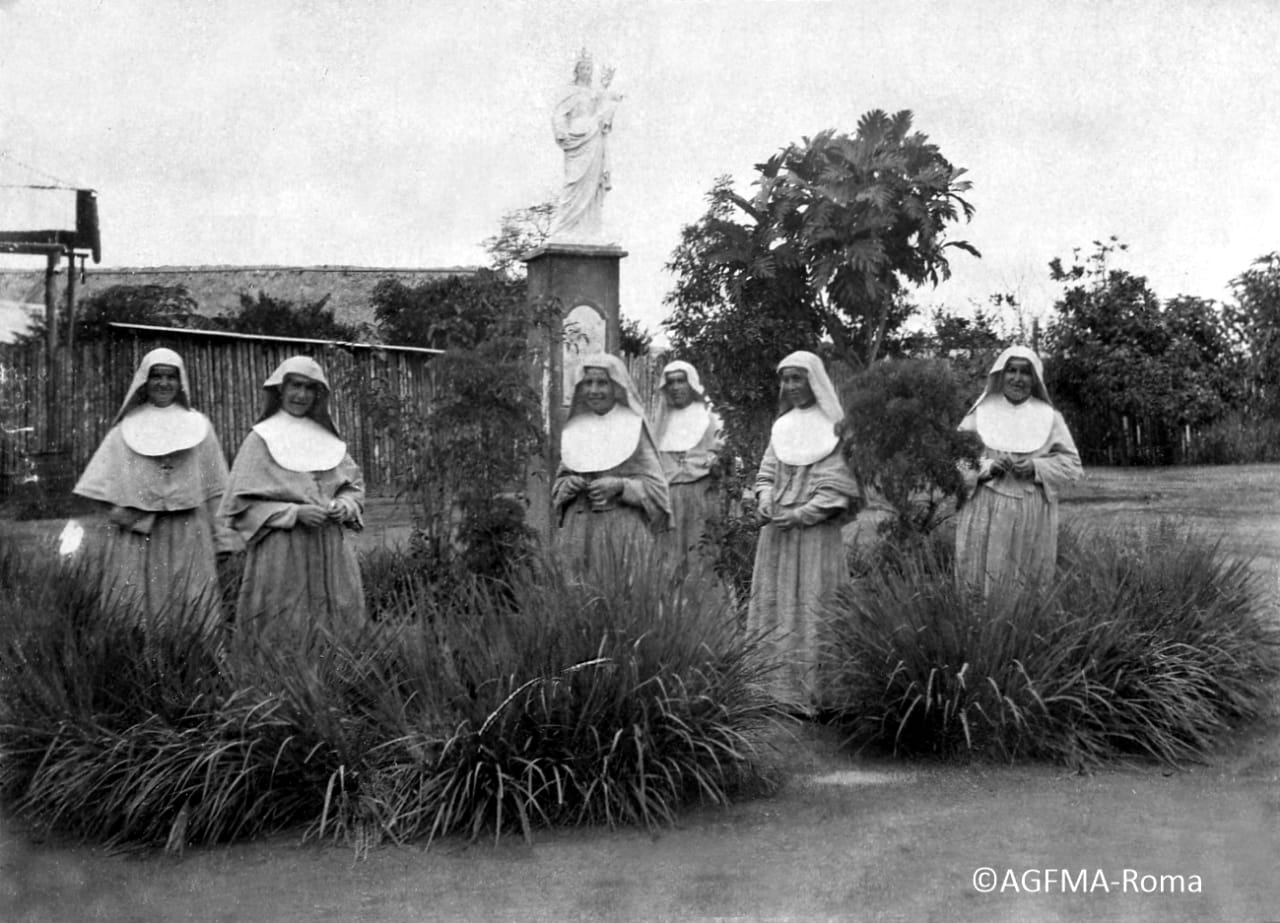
(1007, 427)
(152, 430)
(300, 443)
(599, 442)
(683, 427)
(803, 436)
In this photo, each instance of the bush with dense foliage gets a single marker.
(902, 443)
(266, 315)
(470, 445)
(158, 305)
(456, 312)
(1152, 644)
(487, 709)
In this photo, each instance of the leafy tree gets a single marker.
(522, 230)
(157, 305)
(968, 343)
(732, 325)
(840, 225)
(1256, 314)
(840, 222)
(862, 214)
(470, 444)
(457, 312)
(1203, 361)
(635, 340)
(269, 316)
(1117, 352)
(173, 306)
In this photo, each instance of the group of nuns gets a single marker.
(171, 506)
(294, 493)
(624, 483)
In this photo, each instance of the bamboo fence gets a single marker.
(226, 373)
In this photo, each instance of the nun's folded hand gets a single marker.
(124, 516)
(787, 519)
(604, 489)
(311, 515)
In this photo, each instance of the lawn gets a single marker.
(848, 837)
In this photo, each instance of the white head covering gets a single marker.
(695, 380)
(1007, 427)
(995, 377)
(680, 429)
(599, 442)
(297, 365)
(309, 443)
(808, 435)
(137, 393)
(151, 430)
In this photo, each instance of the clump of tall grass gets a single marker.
(546, 700)
(615, 699)
(1151, 644)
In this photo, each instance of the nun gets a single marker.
(1007, 531)
(295, 496)
(804, 493)
(158, 477)
(690, 438)
(609, 489)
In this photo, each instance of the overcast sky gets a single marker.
(387, 133)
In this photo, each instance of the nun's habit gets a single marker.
(1007, 532)
(294, 572)
(160, 474)
(617, 444)
(690, 440)
(797, 568)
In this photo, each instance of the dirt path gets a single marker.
(848, 838)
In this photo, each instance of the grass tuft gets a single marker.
(1152, 644)
(490, 709)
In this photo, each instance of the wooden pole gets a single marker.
(50, 303)
(71, 306)
(51, 354)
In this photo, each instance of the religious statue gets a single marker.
(582, 120)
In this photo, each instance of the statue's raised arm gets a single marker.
(581, 121)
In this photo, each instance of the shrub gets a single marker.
(901, 440)
(494, 707)
(730, 540)
(1151, 644)
(470, 446)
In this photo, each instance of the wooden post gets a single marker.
(51, 354)
(71, 308)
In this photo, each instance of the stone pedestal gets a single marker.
(582, 280)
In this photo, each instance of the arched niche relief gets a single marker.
(584, 334)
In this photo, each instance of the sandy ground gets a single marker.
(848, 838)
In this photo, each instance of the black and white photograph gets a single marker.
(639, 460)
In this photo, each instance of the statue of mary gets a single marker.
(582, 119)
